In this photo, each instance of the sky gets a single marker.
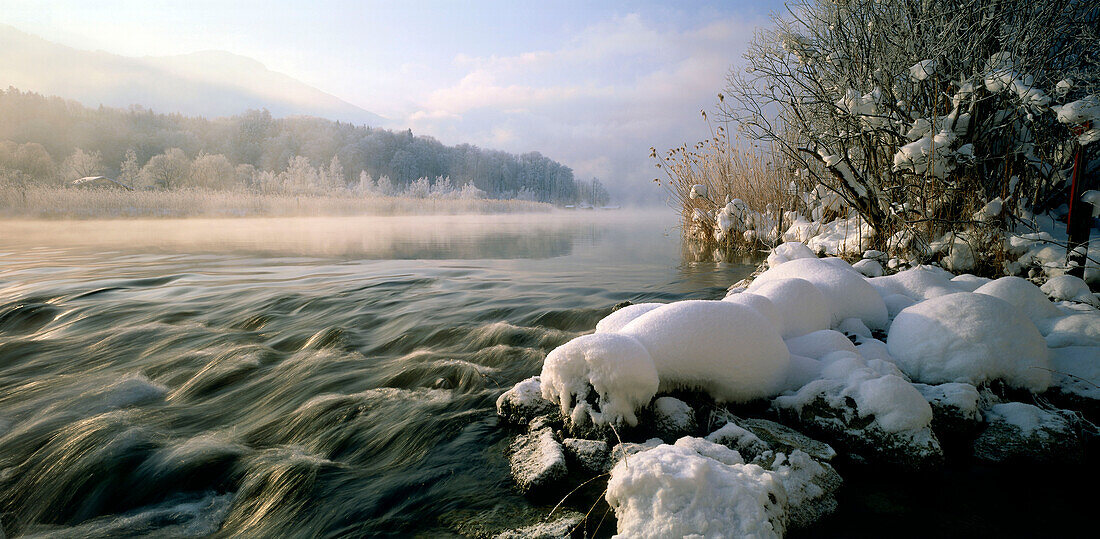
(590, 84)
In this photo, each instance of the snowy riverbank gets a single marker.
(729, 415)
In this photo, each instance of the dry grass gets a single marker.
(729, 171)
(50, 202)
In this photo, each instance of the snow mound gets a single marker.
(967, 337)
(728, 350)
(1024, 296)
(1076, 370)
(819, 344)
(868, 267)
(762, 305)
(1079, 329)
(801, 305)
(791, 250)
(616, 320)
(917, 283)
(847, 293)
(1070, 288)
(617, 367)
(674, 491)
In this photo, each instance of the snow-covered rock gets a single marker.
(869, 268)
(728, 350)
(537, 460)
(1024, 296)
(762, 305)
(670, 418)
(791, 250)
(739, 439)
(955, 407)
(617, 367)
(811, 486)
(847, 293)
(561, 526)
(783, 438)
(819, 344)
(524, 402)
(1070, 288)
(1018, 431)
(868, 408)
(969, 337)
(674, 491)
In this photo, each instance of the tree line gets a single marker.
(50, 140)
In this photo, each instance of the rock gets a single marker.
(588, 455)
(1016, 431)
(811, 485)
(670, 418)
(512, 521)
(625, 450)
(955, 408)
(524, 402)
(862, 439)
(537, 460)
(783, 438)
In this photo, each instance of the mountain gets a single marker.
(208, 83)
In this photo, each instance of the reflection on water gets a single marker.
(280, 377)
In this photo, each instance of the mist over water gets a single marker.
(306, 376)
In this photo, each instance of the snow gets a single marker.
(847, 293)
(895, 303)
(1079, 112)
(1023, 296)
(1079, 329)
(868, 267)
(675, 491)
(917, 283)
(616, 320)
(1069, 288)
(697, 191)
(854, 327)
(1077, 370)
(801, 305)
(728, 350)
(761, 304)
(922, 70)
(819, 344)
(740, 439)
(969, 337)
(673, 415)
(962, 397)
(617, 367)
(791, 250)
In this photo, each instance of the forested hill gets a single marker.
(49, 139)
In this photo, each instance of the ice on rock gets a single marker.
(728, 350)
(762, 305)
(969, 337)
(847, 293)
(674, 491)
(616, 320)
(537, 460)
(617, 367)
(1024, 296)
(1070, 288)
(739, 439)
(791, 250)
(819, 344)
(800, 304)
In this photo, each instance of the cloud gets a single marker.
(596, 103)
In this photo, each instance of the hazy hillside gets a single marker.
(209, 83)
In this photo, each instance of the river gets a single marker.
(295, 376)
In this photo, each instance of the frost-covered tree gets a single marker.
(421, 188)
(211, 171)
(365, 186)
(167, 170)
(129, 173)
(81, 164)
(914, 112)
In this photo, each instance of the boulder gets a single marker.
(524, 402)
(537, 460)
(1020, 432)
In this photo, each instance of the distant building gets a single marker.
(100, 181)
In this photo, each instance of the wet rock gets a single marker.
(537, 460)
(1019, 432)
(861, 439)
(590, 456)
(512, 521)
(524, 402)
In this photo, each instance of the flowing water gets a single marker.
(294, 377)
